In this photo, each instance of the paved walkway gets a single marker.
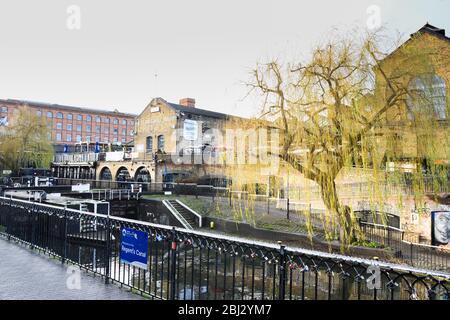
(28, 275)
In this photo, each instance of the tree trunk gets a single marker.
(343, 213)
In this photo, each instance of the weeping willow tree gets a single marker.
(24, 142)
(341, 108)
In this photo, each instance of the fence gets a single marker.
(414, 254)
(197, 265)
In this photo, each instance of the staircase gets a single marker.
(185, 215)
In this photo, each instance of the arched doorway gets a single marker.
(105, 174)
(143, 177)
(123, 176)
(105, 178)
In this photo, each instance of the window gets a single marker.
(79, 127)
(427, 95)
(69, 138)
(58, 136)
(88, 128)
(131, 132)
(59, 115)
(97, 119)
(69, 127)
(115, 139)
(88, 138)
(116, 131)
(124, 122)
(161, 143)
(97, 129)
(124, 132)
(149, 144)
(106, 120)
(97, 139)
(39, 113)
(69, 116)
(105, 139)
(124, 140)
(49, 114)
(106, 130)
(88, 118)
(59, 126)
(116, 121)
(78, 138)
(4, 109)
(80, 117)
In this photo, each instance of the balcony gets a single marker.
(81, 157)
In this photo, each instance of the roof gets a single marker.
(36, 104)
(198, 111)
(193, 110)
(427, 28)
(435, 31)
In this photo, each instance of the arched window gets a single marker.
(161, 143)
(149, 144)
(59, 115)
(427, 94)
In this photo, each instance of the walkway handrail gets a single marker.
(192, 211)
(177, 215)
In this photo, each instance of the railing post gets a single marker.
(287, 214)
(282, 272)
(173, 268)
(411, 253)
(64, 253)
(108, 248)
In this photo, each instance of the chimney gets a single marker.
(188, 102)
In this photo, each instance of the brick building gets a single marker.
(69, 124)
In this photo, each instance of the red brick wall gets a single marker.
(84, 133)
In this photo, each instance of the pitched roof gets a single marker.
(192, 110)
(428, 28)
(198, 111)
(64, 107)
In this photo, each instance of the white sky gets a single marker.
(202, 49)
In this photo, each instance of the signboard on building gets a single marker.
(440, 228)
(134, 247)
(154, 109)
(190, 130)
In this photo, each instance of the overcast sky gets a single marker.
(202, 49)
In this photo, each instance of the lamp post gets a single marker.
(287, 196)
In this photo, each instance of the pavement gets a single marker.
(28, 275)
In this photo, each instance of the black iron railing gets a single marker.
(196, 265)
(414, 254)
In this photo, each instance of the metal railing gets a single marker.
(185, 264)
(414, 254)
(76, 157)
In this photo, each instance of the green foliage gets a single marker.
(25, 142)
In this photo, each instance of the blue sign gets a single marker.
(66, 148)
(134, 247)
(97, 147)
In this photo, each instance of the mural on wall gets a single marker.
(440, 228)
